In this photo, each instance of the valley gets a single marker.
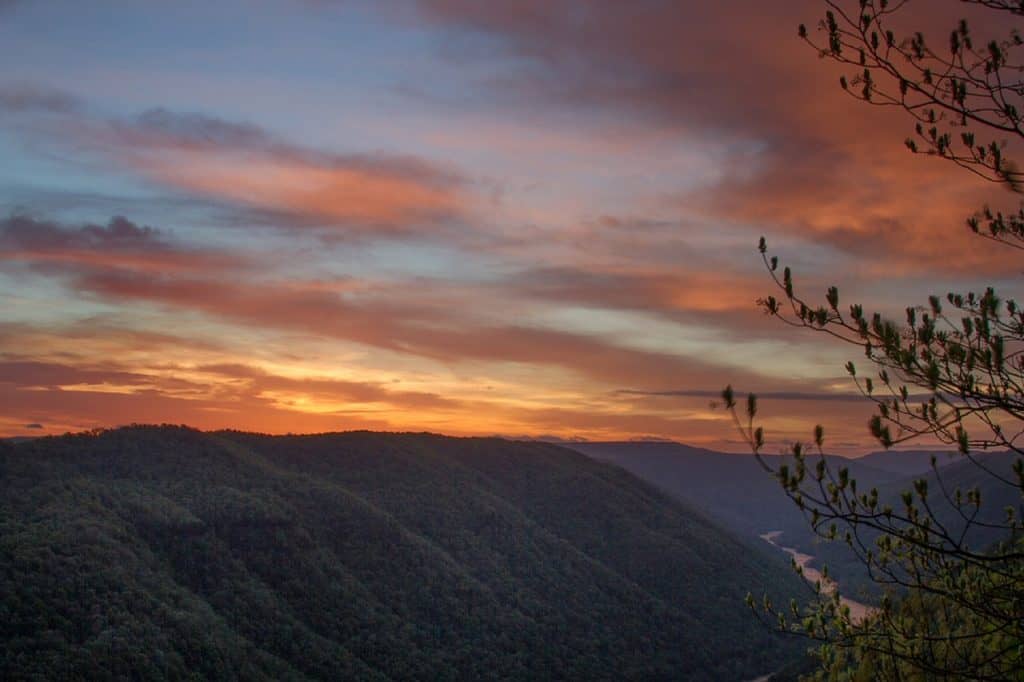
(739, 493)
(858, 611)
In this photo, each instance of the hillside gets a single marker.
(733, 489)
(161, 552)
(909, 462)
(736, 491)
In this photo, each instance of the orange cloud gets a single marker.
(408, 328)
(331, 194)
(800, 157)
(682, 291)
(240, 163)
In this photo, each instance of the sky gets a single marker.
(520, 217)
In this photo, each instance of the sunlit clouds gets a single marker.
(522, 218)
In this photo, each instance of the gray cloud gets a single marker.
(24, 97)
(806, 396)
(766, 395)
(120, 245)
(24, 232)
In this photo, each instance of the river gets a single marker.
(858, 611)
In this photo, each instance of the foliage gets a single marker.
(163, 552)
(953, 373)
(927, 634)
(964, 95)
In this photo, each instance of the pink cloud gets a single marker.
(245, 165)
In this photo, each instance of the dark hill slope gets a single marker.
(736, 491)
(980, 528)
(733, 489)
(165, 552)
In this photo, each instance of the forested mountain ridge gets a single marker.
(164, 552)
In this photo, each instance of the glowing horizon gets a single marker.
(525, 219)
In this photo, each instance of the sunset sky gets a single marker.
(514, 217)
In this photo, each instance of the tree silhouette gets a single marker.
(952, 372)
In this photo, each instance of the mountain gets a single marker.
(985, 529)
(908, 462)
(991, 474)
(13, 440)
(733, 489)
(737, 491)
(164, 552)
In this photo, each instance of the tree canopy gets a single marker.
(168, 553)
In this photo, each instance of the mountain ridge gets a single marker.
(364, 554)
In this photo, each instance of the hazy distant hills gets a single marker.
(983, 473)
(909, 462)
(983, 533)
(735, 490)
(153, 553)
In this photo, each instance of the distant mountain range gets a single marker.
(164, 552)
(14, 440)
(909, 462)
(736, 490)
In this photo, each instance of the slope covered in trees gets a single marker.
(733, 489)
(155, 552)
(736, 491)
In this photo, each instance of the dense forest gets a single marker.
(165, 552)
